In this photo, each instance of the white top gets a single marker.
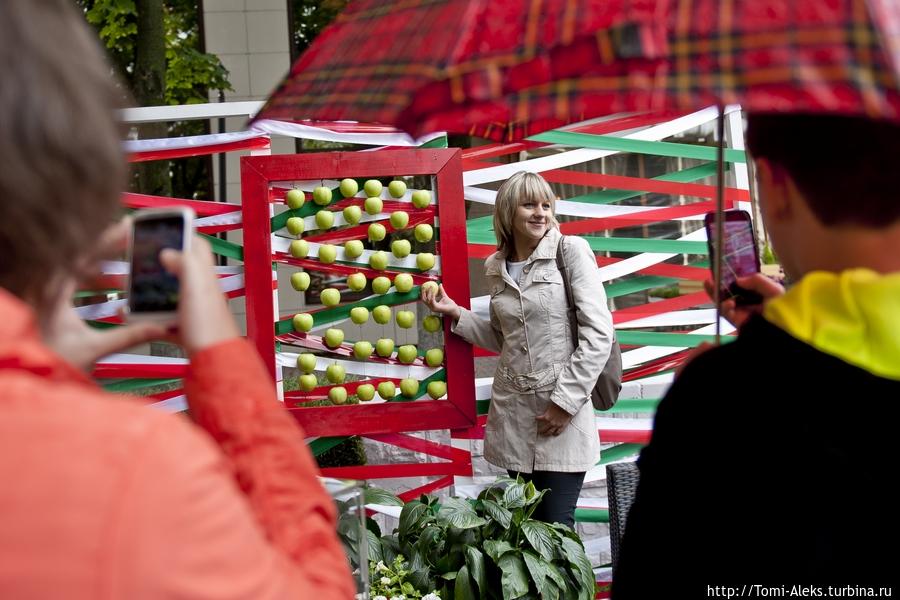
(515, 269)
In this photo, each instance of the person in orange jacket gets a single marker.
(100, 495)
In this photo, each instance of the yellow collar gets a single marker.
(853, 315)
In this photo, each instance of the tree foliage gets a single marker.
(309, 18)
(190, 73)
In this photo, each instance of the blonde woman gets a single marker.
(541, 420)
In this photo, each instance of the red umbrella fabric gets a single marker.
(507, 69)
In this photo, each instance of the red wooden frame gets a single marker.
(258, 174)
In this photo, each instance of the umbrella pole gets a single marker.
(720, 217)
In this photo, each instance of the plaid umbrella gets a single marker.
(507, 69)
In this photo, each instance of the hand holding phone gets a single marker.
(740, 254)
(153, 292)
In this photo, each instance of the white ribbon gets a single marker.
(280, 244)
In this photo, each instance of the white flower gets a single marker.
(379, 598)
(385, 581)
(400, 597)
(431, 596)
(381, 567)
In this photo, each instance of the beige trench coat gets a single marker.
(539, 361)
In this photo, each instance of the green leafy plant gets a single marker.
(489, 548)
(768, 255)
(392, 582)
(349, 530)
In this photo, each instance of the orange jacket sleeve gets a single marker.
(249, 520)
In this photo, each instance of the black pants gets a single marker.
(558, 504)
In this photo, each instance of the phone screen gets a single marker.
(153, 289)
(739, 248)
(741, 257)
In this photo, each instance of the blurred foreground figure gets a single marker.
(773, 458)
(101, 496)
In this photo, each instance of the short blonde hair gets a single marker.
(521, 187)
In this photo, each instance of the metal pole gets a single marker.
(720, 218)
(223, 179)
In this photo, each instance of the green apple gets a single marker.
(425, 261)
(322, 195)
(300, 281)
(378, 260)
(377, 232)
(381, 285)
(303, 322)
(437, 389)
(306, 362)
(423, 232)
(325, 219)
(359, 314)
(349, 187)
(352, 214)
(421, 198)
(432, 323)
(299, 248)
(353, 249)
(409, 387)
(384, 347)
(434, 357)
(365, 392)
(295, 225)
(387, 389)
(356, 282)
(382, 314)
(337, 395)
(403, 282)
(334, 337)
(396, 188)
(327, 253)
(362, 349)
(399, 219)
(335, 373)
(308, 382)
(430, 285)
(407, 354)
(330, 297)
(373, 205)
(401, 248)
(373, 187)
(295, 198)
(405, 318)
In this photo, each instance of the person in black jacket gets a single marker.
(773, 458)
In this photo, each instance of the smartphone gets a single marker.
(153, 291)
(741, 254)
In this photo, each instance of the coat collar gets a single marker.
(546, 248)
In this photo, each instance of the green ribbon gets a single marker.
(338, 313)
(675, 340)
(225, 248)
(608, 142)
(130, 385)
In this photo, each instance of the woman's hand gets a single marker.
(64, 331)
(759, 283)
(553, 421)
(204, 318)
(82, 345)
(438, 301)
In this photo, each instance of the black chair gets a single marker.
(621, 485)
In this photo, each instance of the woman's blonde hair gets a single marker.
(520, 188)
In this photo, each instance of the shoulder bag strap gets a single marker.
(570, 299)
